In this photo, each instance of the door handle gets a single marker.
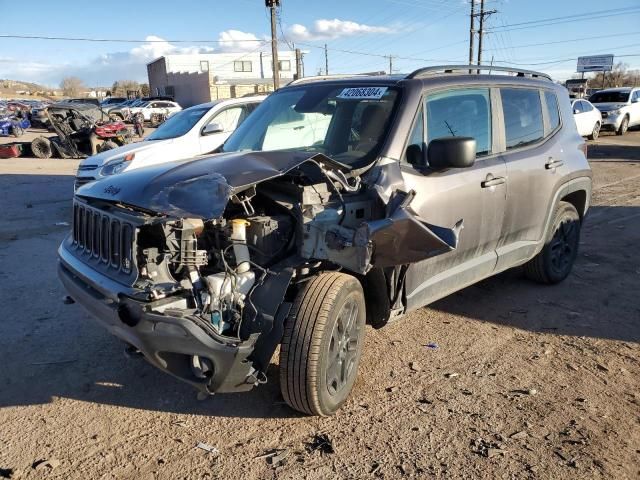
(492, 182)
(551, 163)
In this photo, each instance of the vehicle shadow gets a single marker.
(612, 153)
(598, 299)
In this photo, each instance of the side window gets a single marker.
(413, 152)
(522, 112)
(577, 107)
(230, 118)
(586, 106)
(461, 113)
(552, 109)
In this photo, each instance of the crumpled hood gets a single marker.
(607, 107)
(193, 188)
(100, 159)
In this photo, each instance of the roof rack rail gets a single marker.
(328, 77)
(474, 69)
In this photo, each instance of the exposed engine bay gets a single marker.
(210, 266)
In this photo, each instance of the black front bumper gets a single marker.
(166, 341)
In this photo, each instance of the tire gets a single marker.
(326, 322)
(41, 147)
(554, 262)
(17, 131)
(108, 145)
(624, 126)
(595, 133)
(116, 116)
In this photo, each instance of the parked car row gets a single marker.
(613, 109)
(153, 109)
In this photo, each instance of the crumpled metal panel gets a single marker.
(404, 238)
(197, 188)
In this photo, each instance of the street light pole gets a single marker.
(272, 5)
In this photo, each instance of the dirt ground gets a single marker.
(506, 379)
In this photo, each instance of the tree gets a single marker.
(620, 76)
(144, 89)
(121, 87)
(72, 86)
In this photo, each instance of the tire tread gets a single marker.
(300, 351)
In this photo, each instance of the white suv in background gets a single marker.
(197, 130)
(620, 108)
(155, 106)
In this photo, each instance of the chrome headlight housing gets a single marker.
(116, 165)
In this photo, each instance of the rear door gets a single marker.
(534, 156)
(473, 198)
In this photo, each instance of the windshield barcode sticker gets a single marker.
(373, 93)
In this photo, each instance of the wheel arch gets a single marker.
(578, 199)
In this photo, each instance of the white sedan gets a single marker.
(197, 130)
(588, 119)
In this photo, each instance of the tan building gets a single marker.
(199, 78)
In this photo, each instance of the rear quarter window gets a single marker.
(522, 112)
(552, 110)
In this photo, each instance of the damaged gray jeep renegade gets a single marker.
(339, 202)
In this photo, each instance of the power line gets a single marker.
(121, 40)
(571, 20)
(573, 40)
(574, 16)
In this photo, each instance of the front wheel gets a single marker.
(322, 344)
(624, 126)
(17, 131)
(596, 132)
(554, 262)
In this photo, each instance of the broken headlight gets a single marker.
(116, 165)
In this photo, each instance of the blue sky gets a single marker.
(359, 34)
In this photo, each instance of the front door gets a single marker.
(474, 196)
(228, 119)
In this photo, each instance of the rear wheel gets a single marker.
(17, 131)
(554, 262)
(322, 344)
(624, 126)
(596, 132)
(41, 147)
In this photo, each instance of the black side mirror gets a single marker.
(451, 152)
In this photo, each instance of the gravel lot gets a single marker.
(525, 381)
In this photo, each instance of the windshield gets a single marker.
(347, 124)
(179, 124)
(609, 97)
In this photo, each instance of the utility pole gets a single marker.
(390, 64)
(482, 14)
(298, 64)
(472, 32)
(326, 60)
(272, 5)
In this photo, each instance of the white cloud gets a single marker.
(331, 29)
(106, 68)
(237, 41)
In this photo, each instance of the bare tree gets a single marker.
(72, 86)
(120, 88)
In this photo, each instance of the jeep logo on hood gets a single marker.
(111, 190)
